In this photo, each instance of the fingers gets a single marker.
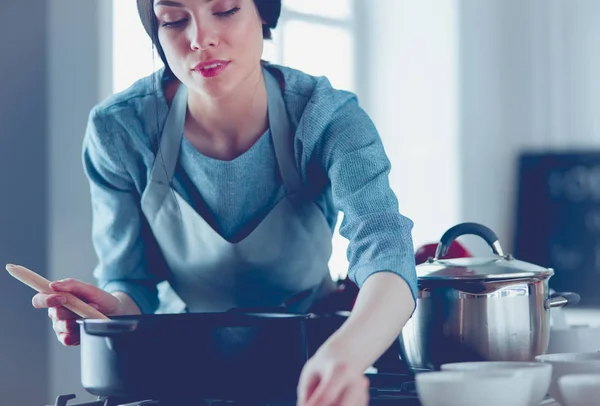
(63, 320)
(355, 394)
(307, 386)
(340, 386)
(64, 323)
(65, 326)
(82, 290)
(45, 300)
(61, 313)
(331, 386)
(68, 339)
(98, 298)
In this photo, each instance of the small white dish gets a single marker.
(541, 373)
(580, 389)
(489, 388)
(568, 364)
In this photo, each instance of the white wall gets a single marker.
(410, 69)
(76, 73)
(496, 96)
(568, 96)
(529, 80)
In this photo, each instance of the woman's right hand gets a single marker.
(64, 321)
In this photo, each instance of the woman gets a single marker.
(224, 175)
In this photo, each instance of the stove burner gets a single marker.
(63, 400)
(385, 390)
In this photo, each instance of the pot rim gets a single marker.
(481, 269)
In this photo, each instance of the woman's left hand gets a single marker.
(334, 376)
(328, 380)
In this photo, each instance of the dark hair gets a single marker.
(269, 11)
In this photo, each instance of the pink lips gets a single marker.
(212, 68)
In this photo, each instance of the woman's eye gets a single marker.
(228, 13)
(182, 22)
(174, 24)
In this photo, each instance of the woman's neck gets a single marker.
(231, 124)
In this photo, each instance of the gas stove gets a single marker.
(386, 389)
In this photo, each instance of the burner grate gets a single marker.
(386, 389)
(63, 400)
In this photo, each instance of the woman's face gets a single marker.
(212, 46)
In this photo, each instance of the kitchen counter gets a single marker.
(582, 316)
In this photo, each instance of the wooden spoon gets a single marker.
(41, 284)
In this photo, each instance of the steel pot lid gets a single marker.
(496, 267)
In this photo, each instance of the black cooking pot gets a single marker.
(232, 355)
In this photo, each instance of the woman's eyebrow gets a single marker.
(172, 3)
(168, 3)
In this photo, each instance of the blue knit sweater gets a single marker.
(338, 154)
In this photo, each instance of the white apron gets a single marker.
(285, 256)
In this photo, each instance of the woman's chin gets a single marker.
(213, 88)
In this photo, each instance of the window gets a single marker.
(314, 36)
(133, 56)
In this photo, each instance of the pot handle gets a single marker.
(468, 228)
(109, 328)
(562, 299)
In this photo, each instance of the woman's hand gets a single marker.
(328, 379)
(335, 374)
(64, 321)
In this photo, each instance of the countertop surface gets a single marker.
(581, 315)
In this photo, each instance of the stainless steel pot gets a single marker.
(484, 308)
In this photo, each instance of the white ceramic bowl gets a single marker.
(489, 388)
(580, 389)
(575, 338)
(541, 373)
(567, 364)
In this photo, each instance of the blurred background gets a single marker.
(489, 111)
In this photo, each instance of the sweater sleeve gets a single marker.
(380, 238)
(128, 258)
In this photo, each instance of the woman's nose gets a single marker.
(202, 37)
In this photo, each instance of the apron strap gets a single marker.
(283, 140)
(170, 140)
